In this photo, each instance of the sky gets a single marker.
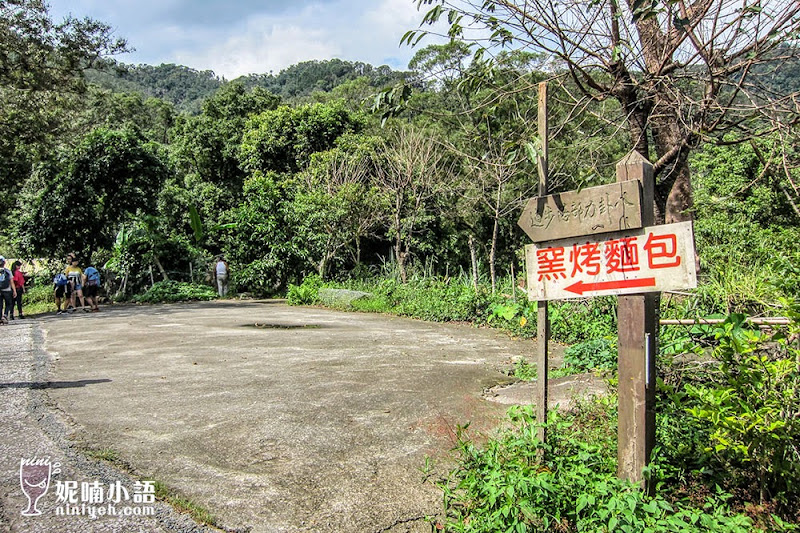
(240, 37)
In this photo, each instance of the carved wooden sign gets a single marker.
(601, 209)
(650, 259)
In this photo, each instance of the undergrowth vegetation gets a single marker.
(176, 291)
(456, 300)
(728, 459)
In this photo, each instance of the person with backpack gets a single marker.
(19, 283)
(75, 276)
(8, 291)
(61, 289)
(91, 284)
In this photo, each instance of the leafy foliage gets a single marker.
(753, 407)
(306, 77)
(427, 299)
(284, 139)
(507, 485)
(40, 73)
(270, 256)
(593, 354)
(79, 202)
(306, 293)
(176, 291)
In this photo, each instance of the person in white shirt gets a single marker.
(222, 276)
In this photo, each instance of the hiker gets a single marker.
(19, 283)
(222, 276)
(61, 289)
(75, 276)
(8, 290)
(91, 284)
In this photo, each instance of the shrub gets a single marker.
(429, 299)
(176, 291)
(752, 406)
(516, 483)
(38, 296)
(306, 293)
(593, 354)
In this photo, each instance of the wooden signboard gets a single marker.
(653, 259)
(602, 209)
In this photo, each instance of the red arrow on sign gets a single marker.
(581, 287)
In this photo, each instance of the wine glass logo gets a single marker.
(34, 477)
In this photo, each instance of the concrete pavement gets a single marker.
(274, 418)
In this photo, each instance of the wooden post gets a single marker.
(513, 283)
(637, 324)
(542, 322)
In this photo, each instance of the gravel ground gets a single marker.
(31, 427)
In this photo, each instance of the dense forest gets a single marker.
(410, 184)
(187, 88)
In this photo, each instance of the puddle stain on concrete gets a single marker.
(267, 325)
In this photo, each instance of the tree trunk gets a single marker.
(122, 287)
(474, 257)
(160, 268)
(493, 253)
(674, 189)
(322, 266)
(399, 254)
(495, 233)
(400, 257)
(401, 264)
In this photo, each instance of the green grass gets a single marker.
(197, 512)
(524, 370)
(106, 454)
(38, 299)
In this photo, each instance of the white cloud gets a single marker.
(394, 16)
(258, 36)
(263, 43)
(265, 47)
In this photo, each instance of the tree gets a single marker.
(208, 145)
(682, 72)
(205, 154)
(337, 204)
(183, 87)
(79, 202)
(37, 54)
(121, 110)
(415, 173)
(40, 62)
(488, 139)
(491, 131)
(263, 249)
(284, 139)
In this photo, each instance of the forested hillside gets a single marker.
(184, 87)
(409, 185)
(307, 77)
(187, 88)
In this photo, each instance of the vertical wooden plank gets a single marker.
(544, 131)
(543, 323)
(637, 318)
